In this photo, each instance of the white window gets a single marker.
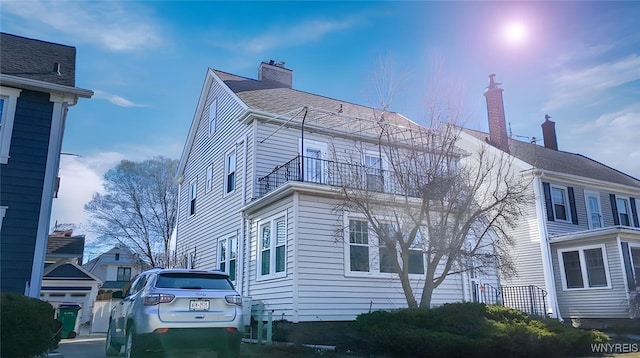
(594, 213)
(374, 179)
(193, 193)
(635, 263)
(584, 268)
(622, 204)
(8, 101)
(560, 203)
(366, 253)
(227, 256)
(210, 177)
(124, 274)
(272, 239)
(230, 172)
(313, 161)
(213, 116)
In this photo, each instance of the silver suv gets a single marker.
(177, 311)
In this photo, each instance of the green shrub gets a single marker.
(27, 326)
(470, 329)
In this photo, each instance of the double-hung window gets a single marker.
(272, 241)
(416, 255)
(373, 172)
(227, 256)
(124, 274)
(622, 204)
(593, 209)
(386, 250)
(8, 100)
(358, 245)
(560, 203)
(230, 172)
(193, 193)
(584, 267)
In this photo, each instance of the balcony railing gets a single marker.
(327, 172)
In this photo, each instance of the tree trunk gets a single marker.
(427, 291)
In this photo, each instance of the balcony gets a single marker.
(331, 173)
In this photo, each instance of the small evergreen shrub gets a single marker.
(470, 329)
(27, 326)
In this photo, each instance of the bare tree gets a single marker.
(433, 209)
(139, 208)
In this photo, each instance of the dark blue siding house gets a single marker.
(37, 86)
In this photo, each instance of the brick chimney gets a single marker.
(495, 112)
(276, 73)
(549, 133)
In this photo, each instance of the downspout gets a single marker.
(306, 110)
(180, 180)
(545, 249)
(242, 216)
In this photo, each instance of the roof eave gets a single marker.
(31, 84)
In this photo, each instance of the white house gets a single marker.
(258, 194)
(580, 239)
(116, 267)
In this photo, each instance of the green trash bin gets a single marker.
(68, 315)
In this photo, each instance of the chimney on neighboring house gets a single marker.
(274, 71)
(495, 111)
(549, 133)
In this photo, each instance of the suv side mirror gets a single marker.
(117, 294)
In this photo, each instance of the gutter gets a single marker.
(28, 83)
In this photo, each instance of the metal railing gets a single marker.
(528, 299)
(327, 172)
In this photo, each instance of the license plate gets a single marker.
(199, 305)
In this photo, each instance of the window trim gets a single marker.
(228, 155)
(231, 242)
(8, 118)
(583, 267)
(271, 221)
(593, 193)
(630, 247)
(123, 268)
(383, 167)
(567, 209)
(324, 152)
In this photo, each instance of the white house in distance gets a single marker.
(580, 239)
(115, 267)
(257, 199)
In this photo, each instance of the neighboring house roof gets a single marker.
(68, 271)
(562, 162)
(99, 260)
(37, 60)
(65, 246)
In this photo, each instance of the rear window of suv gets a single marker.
(194, 281)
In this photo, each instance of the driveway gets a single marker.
(81, 347)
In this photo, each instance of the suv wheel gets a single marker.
(132, 348)
(111, 349)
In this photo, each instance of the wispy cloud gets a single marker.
(116, 26)
(117, 100)
(611, 139)
(583, 86)
(277, 37)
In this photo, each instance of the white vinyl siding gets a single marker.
(213, 115)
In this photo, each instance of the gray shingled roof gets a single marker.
(36, 59)
(272, 97)
(563, 162)
(65, 246)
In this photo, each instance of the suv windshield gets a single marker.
(191, 280)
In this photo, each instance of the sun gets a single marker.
(515, 33)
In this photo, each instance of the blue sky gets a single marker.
(146, 61)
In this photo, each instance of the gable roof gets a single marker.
(120, 249)
(562, 162)
(68, 271)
